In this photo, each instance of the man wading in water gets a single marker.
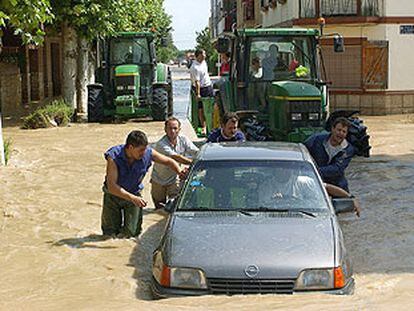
(126, 166)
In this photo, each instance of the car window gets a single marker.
(253, 185)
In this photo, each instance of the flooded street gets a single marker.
(52, 256)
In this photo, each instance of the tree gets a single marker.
(88, 19)
(26, 17)
(81, 22)
(204, 41)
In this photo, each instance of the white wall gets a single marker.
(371, 32)
(399, 7)
(282, 13)
(401, 61)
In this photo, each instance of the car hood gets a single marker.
(224, 244)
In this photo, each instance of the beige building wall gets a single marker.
(401, 62)
(399, 7)
(280, 14)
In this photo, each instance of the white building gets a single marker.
(223, 16)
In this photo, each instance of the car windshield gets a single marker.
(129, 51)
(281, 58)
(253, 186)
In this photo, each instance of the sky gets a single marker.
(188, 16)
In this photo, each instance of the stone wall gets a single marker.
(10, 88)
(375, 104)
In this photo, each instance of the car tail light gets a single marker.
(339, 278)
(165, 276)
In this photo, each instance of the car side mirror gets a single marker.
(339, 46)
(343, 205)
(170, 205)
(103, 64)
(223, 45)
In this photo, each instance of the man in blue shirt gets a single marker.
(332, 153)
(125, 169)
(228, 131)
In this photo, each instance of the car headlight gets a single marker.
(177, 277)
(296, 116)
(315, 279)
(321, 279)
(119, 87)
(131, 87)
(188, 278)
(313, 116)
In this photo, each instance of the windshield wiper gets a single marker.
(205, 209)
(267, 209)
(305, 213)
(242, 211)
(280, 210)
(201, 209)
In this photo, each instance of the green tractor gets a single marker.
(274, 84)
(129, 81)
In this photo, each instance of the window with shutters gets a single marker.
(363, 65)
(375, 65)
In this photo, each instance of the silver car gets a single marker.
(253, 218)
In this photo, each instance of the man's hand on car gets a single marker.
(183, 173)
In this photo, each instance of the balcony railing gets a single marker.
(332, 8)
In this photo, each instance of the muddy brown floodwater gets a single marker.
(52, 257)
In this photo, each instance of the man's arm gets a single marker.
(170, 152)
(115, 189)
(162, 159)
(198, 89)
(181, 159)
(338, 192)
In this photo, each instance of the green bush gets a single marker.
(57, 113)
(7, 149)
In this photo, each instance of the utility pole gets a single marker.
(2, 155)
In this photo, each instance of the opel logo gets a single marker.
(251, 271)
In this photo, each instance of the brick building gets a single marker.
(29, 75)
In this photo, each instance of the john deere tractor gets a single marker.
(275, 85)
(129, 81)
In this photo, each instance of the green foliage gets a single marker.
(57, 113)
(26, 17)
(90, 18)
(8, 147)
(204, 41)
(100, 18)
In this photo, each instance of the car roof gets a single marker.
(254, 151)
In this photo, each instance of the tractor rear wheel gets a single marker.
(95, 103)
(159, 105)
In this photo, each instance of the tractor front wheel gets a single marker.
(159, 104)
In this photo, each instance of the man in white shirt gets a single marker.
(164, 181)
(201, 83)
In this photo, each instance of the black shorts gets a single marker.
(204, 92)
